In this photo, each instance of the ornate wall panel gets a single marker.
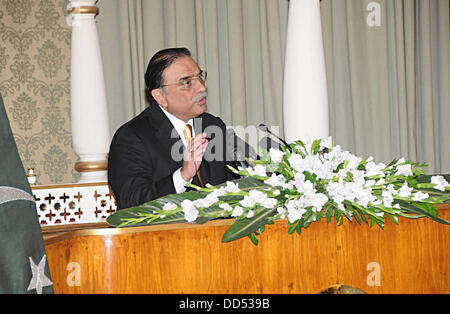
(73, 204)
(35, 85)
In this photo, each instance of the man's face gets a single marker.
(183, 103)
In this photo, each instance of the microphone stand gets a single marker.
(264, 128)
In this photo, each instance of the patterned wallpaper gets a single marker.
(35, 85)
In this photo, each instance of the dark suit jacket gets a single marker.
(140, 165)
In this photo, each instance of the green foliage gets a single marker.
(273, 188)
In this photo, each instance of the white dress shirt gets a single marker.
(179, 126)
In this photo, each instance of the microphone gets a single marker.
(264, 128)
(238, 149)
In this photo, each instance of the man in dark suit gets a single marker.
(164, 147)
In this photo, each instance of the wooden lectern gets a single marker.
(187, 258)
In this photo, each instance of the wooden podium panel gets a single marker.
(185, 258)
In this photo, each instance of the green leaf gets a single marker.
(395, 219)
(244, 227)
(133, 216)
(329, 212)
(265, 157)
(423, 209)
(298, 229)
(134, 213)
(363, 216)
(247, 183)
(292, 229)
(315, 147)
(260, 230)
(254, 238)
(272, 167)
(380, 224)
(355, 214)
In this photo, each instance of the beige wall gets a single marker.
(35, 85)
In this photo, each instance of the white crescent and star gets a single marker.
(9, 194)
(39, 280)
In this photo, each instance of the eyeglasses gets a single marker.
(186, 83)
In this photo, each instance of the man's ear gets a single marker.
(160, 97)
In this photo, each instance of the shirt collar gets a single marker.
(179, 124)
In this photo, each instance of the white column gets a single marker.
(89, 113)
(305, 86)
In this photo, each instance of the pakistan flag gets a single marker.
(23, 262)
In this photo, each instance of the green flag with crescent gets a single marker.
(23, 262)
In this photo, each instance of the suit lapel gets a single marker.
(164, 132)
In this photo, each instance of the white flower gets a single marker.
(341, 207)
(365, 197)
(318, 200)
(257, 196)
(376, 203)
(358, 176)
(187, 205)
(258, 170)
(250, 214)
(419, 196)
(295, 209)
(296, 162)
(405, 190)
(299, 180)
(404, 170)
(247, 202)
(326, 142)
(339, 156)
(190, 212)
(308, 146)
(269, 202)
(206, 202)
(226, 206)
(232, 187)
(191, 216)
(375, 169)
(336, 194)
(282, 212)
(169, 206)
(276, 155)
(369, 183)
(296, 214)
(288, 185)
(275, 180)
(219, 192)
(387, 198)
(353, 162)
(391, 189)
(440, 182)
(312, 163)
(400, 161)
(238, 211)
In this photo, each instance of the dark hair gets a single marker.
(159, 62)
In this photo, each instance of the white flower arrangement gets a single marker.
(303, 183)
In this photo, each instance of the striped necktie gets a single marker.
(187, 132)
